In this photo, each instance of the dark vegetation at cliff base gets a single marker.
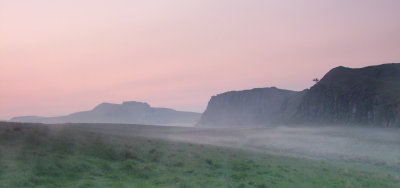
(90, 155)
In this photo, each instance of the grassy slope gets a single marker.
(37, 156)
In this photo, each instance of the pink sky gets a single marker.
(58, 57)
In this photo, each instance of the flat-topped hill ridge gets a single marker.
(130, 112)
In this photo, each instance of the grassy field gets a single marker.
(34, 155)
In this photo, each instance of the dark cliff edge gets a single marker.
(128, 112)
(368, 96)
(250, 107)
(362, 96)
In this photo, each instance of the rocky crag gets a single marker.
(361, 96)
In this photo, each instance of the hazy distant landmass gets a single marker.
(128, 112)
(363, 96)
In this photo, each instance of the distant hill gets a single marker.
(128, 112)
(362, 96)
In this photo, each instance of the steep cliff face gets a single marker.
(127, 112)
(363, 96)
(250, 107)
(369, 95)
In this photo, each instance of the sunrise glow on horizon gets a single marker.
(58, 57)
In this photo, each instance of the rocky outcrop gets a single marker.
(364, 96)
(251, 107)
(368, 96)
(127, 112)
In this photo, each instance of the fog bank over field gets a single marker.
(370, 145)
(376, 146)
(123, 155)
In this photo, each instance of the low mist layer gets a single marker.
(375, 146)
(112, 155)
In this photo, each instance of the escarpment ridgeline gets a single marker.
(367, 96)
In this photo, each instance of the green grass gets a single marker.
(62, 156)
